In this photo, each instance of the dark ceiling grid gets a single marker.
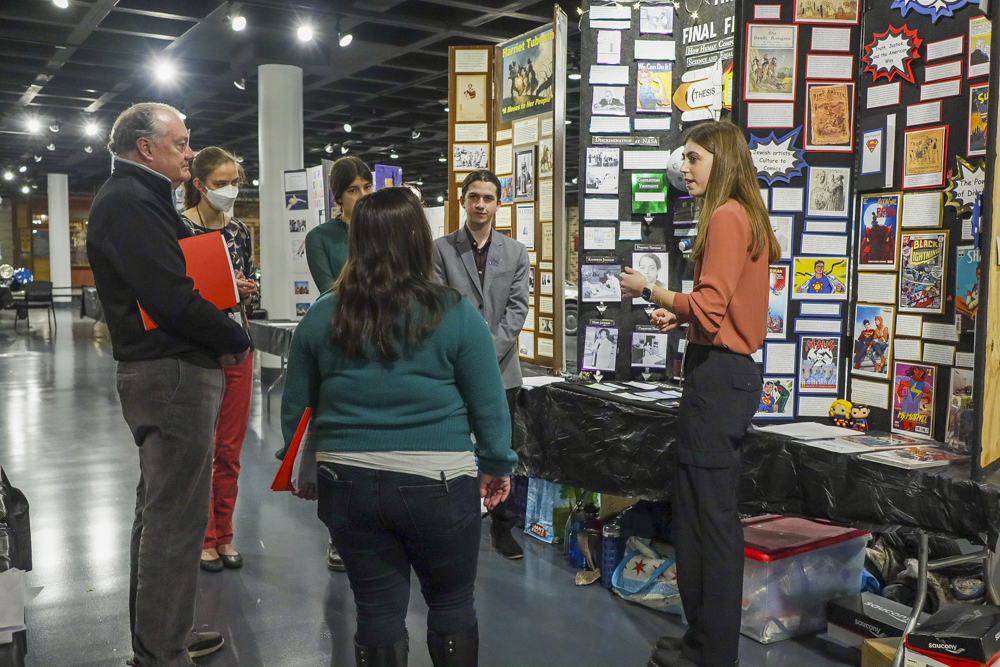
(89, 62)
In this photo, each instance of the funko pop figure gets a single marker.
(859, 417)
(840, 412)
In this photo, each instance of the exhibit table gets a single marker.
(273, 337)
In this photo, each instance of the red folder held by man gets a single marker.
(211, 269)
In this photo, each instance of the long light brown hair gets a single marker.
(385, 293)
(733, 177)
(204, 163)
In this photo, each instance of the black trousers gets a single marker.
(721, 394)
(499, 513)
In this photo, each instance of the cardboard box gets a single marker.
(920, 659)
(612, 506)
(964, 631)
(879, 652)
(855, 618)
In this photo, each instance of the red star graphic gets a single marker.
(640, 566)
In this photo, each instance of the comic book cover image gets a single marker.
(979, 100)
(820, 278)
(818, 364)
(777, 302)
(873, 326)
(967, 285)
(777, 399)
(879, 228)
(960, 425)
(913, 399)
(922, 259)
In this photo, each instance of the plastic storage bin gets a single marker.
(793, 567)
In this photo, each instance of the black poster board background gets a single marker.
(876, 18)
(718, 14)
(745, 14)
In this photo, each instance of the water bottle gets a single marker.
(609, 553)
(575, 555)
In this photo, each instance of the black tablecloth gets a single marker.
(570, 434)
(272, 336)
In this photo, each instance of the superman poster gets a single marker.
(820, 278)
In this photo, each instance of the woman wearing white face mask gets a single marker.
(208, 201)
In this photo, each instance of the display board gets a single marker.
(648, 71)
(470, 121)
(305, 208)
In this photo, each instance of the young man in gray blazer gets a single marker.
(492, 271)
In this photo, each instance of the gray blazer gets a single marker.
(503, 298)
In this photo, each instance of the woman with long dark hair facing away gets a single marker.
(726, 314)
(400, 372)
(209, 197)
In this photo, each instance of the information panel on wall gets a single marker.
(305, 192)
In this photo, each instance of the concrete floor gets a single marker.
(64, 443)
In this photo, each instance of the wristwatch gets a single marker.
(647, 292)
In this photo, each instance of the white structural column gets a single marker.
(280, 136)
(59, 260)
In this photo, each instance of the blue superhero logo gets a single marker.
(933, 8)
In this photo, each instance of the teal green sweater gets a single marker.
(425, 400)
(326, 252)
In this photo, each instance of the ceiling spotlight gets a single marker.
(347, 127)
(420, 182)
(440, 199)
(34, 186)
(575, 181)
(344, 38)
(34, 125)
(61, 4)
(38, 158)
(575, 76)
(446, 109)
(394, 155)
(343, 150)
(51, 147)
(25, 189)
(328, 148)
(165, 70)
(8, 176)
(256, 183)
(22, 169)
(239, 23)
(442, 158)
(305, 33)
(91, 129)
(54, 127)
(241, 82)
(239, 159)
(569, 122)
(415, 133)
(88, 149)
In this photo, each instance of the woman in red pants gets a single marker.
(208, 202)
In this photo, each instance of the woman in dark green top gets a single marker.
(326, 245)
(400, 372)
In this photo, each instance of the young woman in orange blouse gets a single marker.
(726, 314)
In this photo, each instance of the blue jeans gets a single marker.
(384, 523)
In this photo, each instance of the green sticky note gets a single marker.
(649, 193)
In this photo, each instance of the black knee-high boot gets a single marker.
(394, 655)
(461, 650)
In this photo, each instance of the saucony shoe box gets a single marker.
(959, 635)
(853, 619)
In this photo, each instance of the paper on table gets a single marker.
(826, 226)
(644, 160)
(636, 397)
(600, 387)
(808, 431)
(965, 359)
(934, 91)
(815, 406)
(945, 48)
(876, 287)
(921, 209)
(609, 74)
(824, 244)
(937, 331)
(610, 124)
(786, 199)
(922, 114)
(831, 39)
(837, 446)
(598, 238)
(779, 358)
(829, 67)
(630, 230)
(648, 49)
(939, 354)
(909, 325)
(906, 349)
(874, 394)
(645, 386)
(541, 380)
(762, 114)
(883, 96)
(600, 209)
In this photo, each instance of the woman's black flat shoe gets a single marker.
(231, 562)
(214, 565)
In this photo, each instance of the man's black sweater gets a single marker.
(132, 246)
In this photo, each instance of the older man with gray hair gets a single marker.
(170, 379)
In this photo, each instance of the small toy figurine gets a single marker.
(859, 417)
(840, 412)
